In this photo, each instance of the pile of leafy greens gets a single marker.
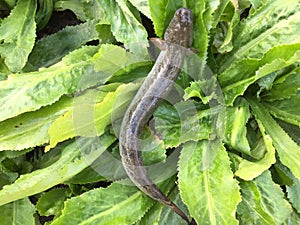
(62, 98)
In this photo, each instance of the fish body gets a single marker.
(157, 85)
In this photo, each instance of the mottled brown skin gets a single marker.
(157, 85)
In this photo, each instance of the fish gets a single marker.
(156, 86)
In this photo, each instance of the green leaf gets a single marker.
(249, 169)
(204, 19)
(18, 165)
(261, 39)
(117, 204)
(287, 149)
(235, 126)
(250, 210)
(17, 35)
(182, 122)
(88, 118)
(293, 190)
(31, 129)
(292, 130)
(224, 12)
(30, 91)
(294, 218)
(284, 87)
(294, 193)
(4, 71)
(92, 10)
(202, 188)
(67, 124)
(282, 109)
(112, 58)
(153, 149)
(84, 10)
(254, 3)
(256, 35)
(206, 88)
(263, 202)
(51, 49)
(152, 216)
(195, 90)
(228, 21)
(75, 157)
(44, 13)
(20, 212)
(129, 29)
(75, 72)
(281, 175)
(52, 202)
(5, 179)
(10, 3)
(74, 5)
(236, 79)
(105, 34)
(142, 6)
(132, 73)
(13, 154)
